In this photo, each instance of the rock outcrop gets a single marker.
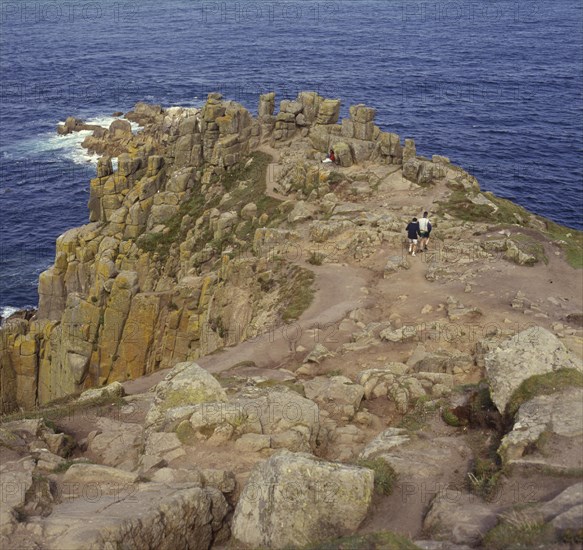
(296, 499)
(534, 351)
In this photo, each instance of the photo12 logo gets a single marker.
(66, 12)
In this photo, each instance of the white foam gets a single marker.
(7, 311)
(69, 146)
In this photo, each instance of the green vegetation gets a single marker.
(316, 258)
(245, 182)
(384, 474)
(543, 384)
(518, 530)
(531, 246)
(451, 419)
(459, 206)
(62, 408)
(64, 466)
(417, 417)
(186, 435)
(298, 295)
(384, 540)
(570, 240)
(484, 479)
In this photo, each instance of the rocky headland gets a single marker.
(237, 350)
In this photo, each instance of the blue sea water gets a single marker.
(496, 86)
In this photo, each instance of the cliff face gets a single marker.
(176, 260)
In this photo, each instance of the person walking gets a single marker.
(424, 231)
(412, 234)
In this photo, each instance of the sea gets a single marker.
(494, 85)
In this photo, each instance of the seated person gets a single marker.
(330, 158)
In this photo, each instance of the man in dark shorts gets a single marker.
(412, 234)
(424, 231)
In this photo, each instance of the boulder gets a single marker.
(249, 211)
(160, 515)
(529, 353)
(343, 154)
(335, 392)
(328, 112)
(297, 499)
(302, 211)
(185, 386)
(118, 444)
(414, 457)
(541, 420)
(467, 523)
(266, 104)
(15, 481)
(107, 392)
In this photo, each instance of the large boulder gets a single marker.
(15, 481)
(297, 499)
(150, 515)
(185, 386)
(529, 353)
(456, 518)
(554, 421)
(328, 112)
(117, 444)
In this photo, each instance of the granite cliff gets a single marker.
(238, 342)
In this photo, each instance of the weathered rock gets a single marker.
(563, 502)
(318, 354)
(271, 412)
(96, 473)
(328, 112)
(394, 264)
(531, 352)
(166, 516)
(296, 499)
(111, 391)
(302, 211)
(414, 457)
(15, 481)
(185, 386)
(335, 392)
(547, 416)
(343, 154)
(465, 523)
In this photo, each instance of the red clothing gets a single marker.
(332, 157)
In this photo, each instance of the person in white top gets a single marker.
(424, 231)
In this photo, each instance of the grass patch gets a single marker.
(64, 407)
(543, 384)
(299, 294)
(518, 530)
(185, 433)
(459, 206)
(417, 417)
(245, 183)
(570, 240)
(484, 479)
(316, 258)
(451, 419)
(384, 540)
(384, 474)
(530, 246)
(64, 466)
